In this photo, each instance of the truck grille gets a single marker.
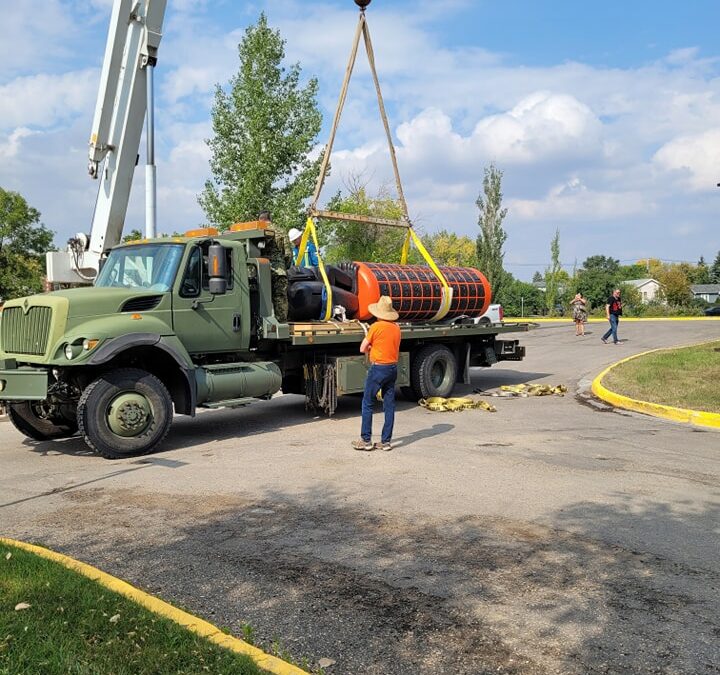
(25, 333)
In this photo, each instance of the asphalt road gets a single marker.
(554, 536)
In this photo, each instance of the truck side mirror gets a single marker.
(217, 269)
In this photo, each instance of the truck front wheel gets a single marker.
(32, 419)
(125, 413)
(433, 371)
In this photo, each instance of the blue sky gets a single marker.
(604, 117)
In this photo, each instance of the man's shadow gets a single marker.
(434, 430)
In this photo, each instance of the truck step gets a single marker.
(229, 403)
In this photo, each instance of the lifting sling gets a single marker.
(404, 222)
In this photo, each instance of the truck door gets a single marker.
(207, 323)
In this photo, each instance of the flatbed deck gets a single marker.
(326, 332)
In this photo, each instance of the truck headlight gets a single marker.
(70, 351)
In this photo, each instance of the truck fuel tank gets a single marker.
(227, 381)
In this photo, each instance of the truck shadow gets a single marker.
(256, 419)
(281, 412)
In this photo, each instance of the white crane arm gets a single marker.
(132, 44)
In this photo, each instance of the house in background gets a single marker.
(649, 289)
(708, 292)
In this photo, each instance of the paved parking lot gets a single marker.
(551, 536)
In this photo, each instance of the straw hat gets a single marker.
(383, 309)
(294, 234)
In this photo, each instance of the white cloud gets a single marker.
(32, 31)
(44, 100)
(694, 158)
(574, 201)
(540, 127)
(11, 146)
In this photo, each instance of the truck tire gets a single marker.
(125, 413)
(28, 419)
(433, 371)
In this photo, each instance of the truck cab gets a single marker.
(156, 315)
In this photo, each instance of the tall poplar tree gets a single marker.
(552, 274)
(265, 127)
(492, 236)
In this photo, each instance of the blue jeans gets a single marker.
(614, 319)
(379, 378)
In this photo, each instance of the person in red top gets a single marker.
(382, 343)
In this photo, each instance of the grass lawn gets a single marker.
(75, 625)
(684, 378)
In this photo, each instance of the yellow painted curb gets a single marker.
(198, 626)
(696, 417)
(623, 319)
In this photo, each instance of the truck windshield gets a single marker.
(151, 266)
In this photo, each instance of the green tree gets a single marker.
(675, 285)
(344, 240)
(601, 263)
(552, 279)
(264, 129)
(538, 277)
(23, 243)
(492, 236)
(701, 273)
(636, 271)
(447, 248)
(519, 298)
(133, 235)
(715, 270)
(597, 278)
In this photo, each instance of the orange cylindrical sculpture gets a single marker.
(417, 293)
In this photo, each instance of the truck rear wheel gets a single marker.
(31, 420)
(433, 371)
(125, 413)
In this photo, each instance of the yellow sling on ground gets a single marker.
(441, 404)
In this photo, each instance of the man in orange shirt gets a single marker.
(382, 342)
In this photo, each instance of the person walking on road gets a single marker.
(310, 257)
(613, 311)
(580, 313)
(382, 343)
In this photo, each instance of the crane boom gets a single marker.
(131, 49)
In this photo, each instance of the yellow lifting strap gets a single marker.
(363, 31)
(447, 291)
(311, 231)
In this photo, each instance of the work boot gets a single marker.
(360, 444)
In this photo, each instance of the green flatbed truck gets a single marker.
(176, 324)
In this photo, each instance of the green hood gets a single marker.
(93, 302)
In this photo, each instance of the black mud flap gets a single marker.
(509, 350)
